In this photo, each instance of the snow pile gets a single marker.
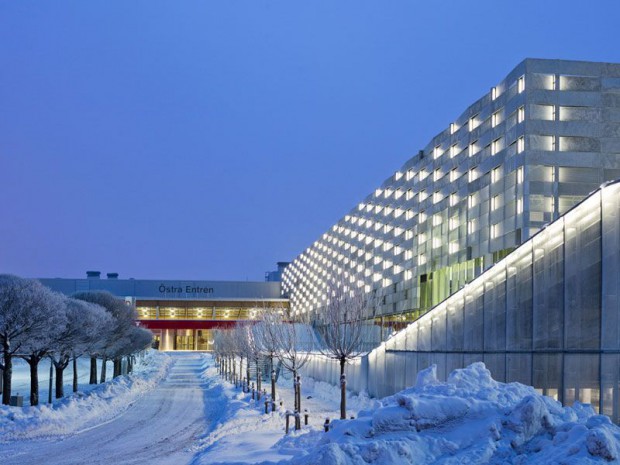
(81, 411)
(470, 419)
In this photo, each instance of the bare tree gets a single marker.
(295, 341)
(267, 342)
(342, 324)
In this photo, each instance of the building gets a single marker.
(182, 314)
(519, 157)
(496, 243)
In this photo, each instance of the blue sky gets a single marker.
(210, 139)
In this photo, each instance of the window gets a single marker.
(453, 247)
(471, 201)
(471, 175)
(437, 219)
(473, 122)
(452, 128)
(453, 223)
(437, 152)
(519, 206)
(495, 146)
(409, 214)
(454, 175)
(520, 175)
(453, 199)
(495, 119)
(437, 174)
(521, 84)
(495, 174)
(409, 194)
(423, 196)
(422, 217)
(521, 114)
(454, 150)
(409, 175)
(471, 227)
(495, 202)
(493, 231)
(520, 144)
(472, 149)
(398, 175)
(423, 175)
(437, 197)
(493, 93)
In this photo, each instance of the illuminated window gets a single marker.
(409, 214)
(409, 175)
(423, 196)
(437, 197)
(472, 149)
(421, 259)
(454, 175)
(436, 242)
(454, 223)
(409, 194)
(408, 254)
(437, 219)
(519, 206)
(521, 114)
(495, 202)
(521, 84)
(452, 128)
(495, 174)
(495, 119)
(422, 217)
(471, 175)
(493, 93)
(408, 234)
(471, 201)
(398, 193)
(470, 227)
(454, 198)
(437, 152)
(398, 175)
(437, 174)
(453, 247)
(493, 231)
(454, 150)
(520, 175)
(495, 146)
(423, 175)
(520, 144)
(473, 122)
(421, 238)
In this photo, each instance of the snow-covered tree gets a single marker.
(82, 331)
(117, 339)
(268, 343)
(28, 311)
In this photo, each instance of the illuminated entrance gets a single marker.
(189, 324)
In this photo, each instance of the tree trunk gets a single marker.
(75, 375)
(117, 367)
(273, 381)
(34, 380)
(49, 395)
(104, 362)
(60, 392)
(295, 389)
(93, 371)
(343, 390)
(6, 376)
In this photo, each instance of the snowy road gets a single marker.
(157, 429)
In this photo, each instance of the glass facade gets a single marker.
(547, 315)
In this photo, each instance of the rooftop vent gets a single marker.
(112, 275)
(93, 274)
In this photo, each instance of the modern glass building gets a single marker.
(519, 157)
(494, 243)
(182, 314)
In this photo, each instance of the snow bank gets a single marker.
(470, 419)
(82, 411)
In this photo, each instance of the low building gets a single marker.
(182, 313)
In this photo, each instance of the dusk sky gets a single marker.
(211, 139)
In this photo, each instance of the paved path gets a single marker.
(157, 429)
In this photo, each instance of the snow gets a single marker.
(83, 409)
(175, 409)
(469, 419)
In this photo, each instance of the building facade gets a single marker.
(519, 157)
(182, 314)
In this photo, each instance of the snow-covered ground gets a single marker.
(175, 410)
(470, 419)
